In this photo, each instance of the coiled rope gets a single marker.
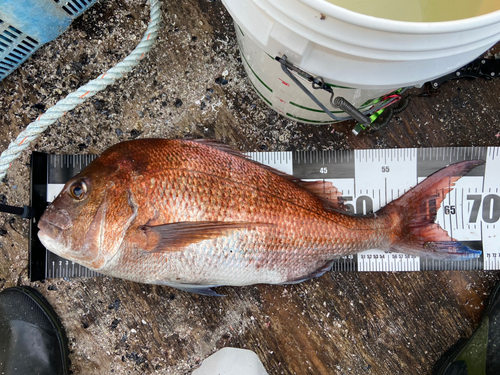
(77, 97)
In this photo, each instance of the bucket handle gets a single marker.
(318, 83)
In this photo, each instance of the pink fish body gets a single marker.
(194, 215)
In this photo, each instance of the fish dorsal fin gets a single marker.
(322, 189)
(176, 236)
(326, 191)
(221, 147)
(227, 149)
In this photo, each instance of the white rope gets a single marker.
(38, 126)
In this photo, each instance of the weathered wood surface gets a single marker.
(341, 323)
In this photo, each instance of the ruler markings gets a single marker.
(382, 170)
(489, 204)
(462, 211)
(385, 191)
(485, 184)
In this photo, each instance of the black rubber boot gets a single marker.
(480, 355)
(32, 338)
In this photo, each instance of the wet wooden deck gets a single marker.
(341, 323)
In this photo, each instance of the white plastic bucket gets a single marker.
(362, 58)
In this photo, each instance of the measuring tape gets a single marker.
(368, 180)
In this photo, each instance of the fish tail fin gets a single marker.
(412, 216)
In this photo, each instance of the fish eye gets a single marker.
(78, 190)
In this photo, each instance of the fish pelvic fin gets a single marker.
(203, 290)
(412, 217)
(177, 236)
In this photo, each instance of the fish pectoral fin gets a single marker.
(203, 290)
(176, 236)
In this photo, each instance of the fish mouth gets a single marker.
(47, 229)
(54, 222)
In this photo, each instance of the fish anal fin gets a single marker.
(326, 191)
(176, 236)
(316, 273)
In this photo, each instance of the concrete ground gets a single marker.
(342, 323)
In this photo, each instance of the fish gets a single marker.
(196, 214)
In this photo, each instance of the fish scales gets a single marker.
(193, 214)
(193, 201)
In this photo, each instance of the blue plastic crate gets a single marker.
(25, 25)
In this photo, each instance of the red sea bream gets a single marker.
(195, 214)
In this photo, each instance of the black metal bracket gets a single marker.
(479, 68)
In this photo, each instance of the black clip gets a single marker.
(25, 212)
(319, 83)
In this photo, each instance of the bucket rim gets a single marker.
(385, 24)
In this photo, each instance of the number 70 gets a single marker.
(490, 207)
